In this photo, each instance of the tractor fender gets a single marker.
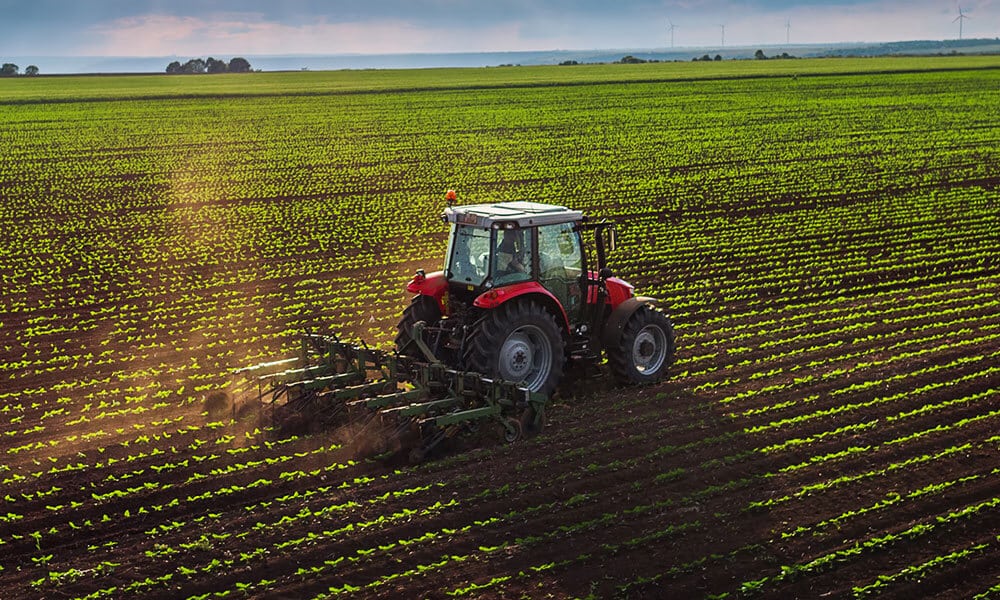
(500, 295)
(619, 291)
(619, 317)
(433, 284)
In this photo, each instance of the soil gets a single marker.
(699, 486)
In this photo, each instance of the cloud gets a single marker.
(162, 35)
(256, 27)
(145, 36)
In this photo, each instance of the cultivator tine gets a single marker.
(427, 443)
(537, 402)
(373, 404)
(264, 368)
(402, 427)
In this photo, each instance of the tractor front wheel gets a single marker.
(518, 342)
(646, 348)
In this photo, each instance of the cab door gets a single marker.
(560, 266)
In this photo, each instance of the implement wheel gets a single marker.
(521, 343)
(646, 349)
(512, 430)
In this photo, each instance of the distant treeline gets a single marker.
(212, 65)
(12, 70)
(635, 60)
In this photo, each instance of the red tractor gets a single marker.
(522, 293)
(525, 288)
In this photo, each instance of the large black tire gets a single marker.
(422, 308)
(519, 341)
(646, 348)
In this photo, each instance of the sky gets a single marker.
(259, 27)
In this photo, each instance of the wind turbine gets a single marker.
(961, 19)
(671, 30)
(723, 35)
(788, 30)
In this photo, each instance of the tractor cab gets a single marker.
(495, 246)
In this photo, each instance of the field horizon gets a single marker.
(68, 65)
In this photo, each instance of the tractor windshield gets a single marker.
(468, 254)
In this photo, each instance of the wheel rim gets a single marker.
(649, 350)
(526, 356)
(512, 430)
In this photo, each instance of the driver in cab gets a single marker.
(510, 255)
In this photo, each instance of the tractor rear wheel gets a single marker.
(518, 342)
(422, 308)
(646, 348)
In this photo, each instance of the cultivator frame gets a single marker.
(403, 401)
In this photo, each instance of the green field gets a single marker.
(825, 234)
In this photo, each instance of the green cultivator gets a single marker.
(386, 400)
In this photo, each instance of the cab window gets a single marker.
(468, 249)
(512, 257)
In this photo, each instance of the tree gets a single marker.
(195, 65)
(718, 57)
(212, 65)
(239, 65)
(9, 70)
(31, 70)
(216, 66)
(759, 55)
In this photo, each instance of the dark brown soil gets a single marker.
(691, 488)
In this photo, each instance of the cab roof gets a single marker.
(508, 214)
